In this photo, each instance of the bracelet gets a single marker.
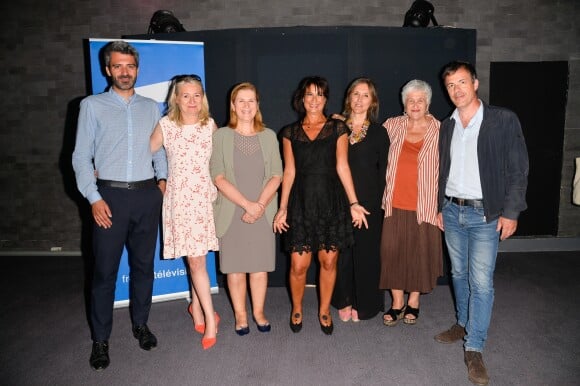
(354, 203)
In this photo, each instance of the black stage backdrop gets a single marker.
(537, 93)
(275, 59)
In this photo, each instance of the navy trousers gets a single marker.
(135, 217)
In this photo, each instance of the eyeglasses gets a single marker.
(181, 78)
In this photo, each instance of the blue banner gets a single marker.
(159, 61)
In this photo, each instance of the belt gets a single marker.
(466, 202)
(127, 185)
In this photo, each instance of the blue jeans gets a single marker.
(472, 244)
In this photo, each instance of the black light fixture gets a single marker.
(419, 15)
(164, 21)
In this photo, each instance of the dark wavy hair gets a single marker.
(298, 99)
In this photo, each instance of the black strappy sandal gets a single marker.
(411, 311)
(395, 314)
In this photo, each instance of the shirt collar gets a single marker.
(477, 117)
(112, 92)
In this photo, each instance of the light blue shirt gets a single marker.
(464, 180)
(113, 140)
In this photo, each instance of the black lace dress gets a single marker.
(318, 211)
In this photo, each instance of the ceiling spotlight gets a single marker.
(164, 21)
(419, 15)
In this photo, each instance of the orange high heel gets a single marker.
(208, 343)
(197, 327)
(201, 327)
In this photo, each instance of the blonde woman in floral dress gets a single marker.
(188, 226)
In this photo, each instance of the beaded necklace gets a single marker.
(357, 137)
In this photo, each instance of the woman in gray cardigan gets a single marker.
(247, 169)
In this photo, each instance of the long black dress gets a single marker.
(318, 211)
(359, 267)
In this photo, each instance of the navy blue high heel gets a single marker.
(264, 327)
(243, 331)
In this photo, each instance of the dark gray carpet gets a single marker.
(534, 337)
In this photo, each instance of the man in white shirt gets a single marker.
(483, 173)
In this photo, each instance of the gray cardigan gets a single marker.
(222, 162)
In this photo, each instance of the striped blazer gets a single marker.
(428, 164)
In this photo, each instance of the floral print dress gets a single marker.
(188, 222)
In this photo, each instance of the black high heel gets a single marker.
(327, 329)
(296, 327)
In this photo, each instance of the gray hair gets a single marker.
(416, 85)
(121, 47)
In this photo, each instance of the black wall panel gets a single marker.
(537, 93)
(275, 59)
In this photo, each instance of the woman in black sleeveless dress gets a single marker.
(356, 293)
(318, 204)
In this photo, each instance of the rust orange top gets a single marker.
(406, 188)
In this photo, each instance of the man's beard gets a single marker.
(124, 82)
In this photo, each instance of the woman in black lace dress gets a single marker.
(318, 203)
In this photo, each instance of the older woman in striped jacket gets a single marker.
(411, 258)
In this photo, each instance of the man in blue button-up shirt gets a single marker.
(123, 182)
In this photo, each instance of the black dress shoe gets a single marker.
(327, 329)
(296, 327)
(100, 355)
(147, 340)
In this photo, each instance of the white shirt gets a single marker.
(464, 181)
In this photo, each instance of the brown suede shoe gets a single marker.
(476, 371)
(455, 333)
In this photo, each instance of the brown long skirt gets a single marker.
(411, 257)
